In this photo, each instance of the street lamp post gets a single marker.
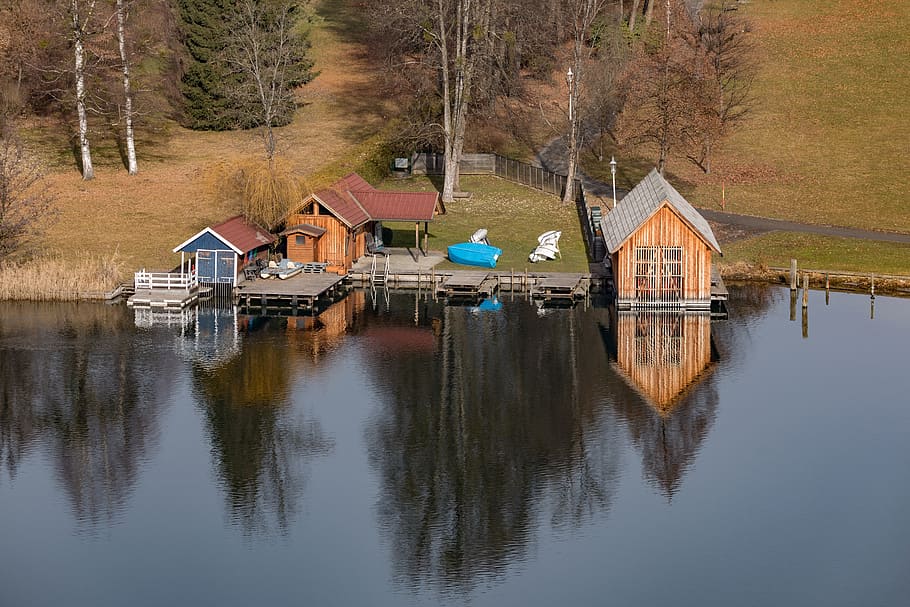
(613, 174)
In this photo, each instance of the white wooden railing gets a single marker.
(164, 280)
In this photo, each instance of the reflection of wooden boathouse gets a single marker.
(660, 249)
(663, 353)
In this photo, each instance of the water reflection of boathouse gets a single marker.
(666, 358)
(662, 353)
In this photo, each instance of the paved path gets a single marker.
(764, 224)
(553, 157)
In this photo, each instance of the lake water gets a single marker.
(408, 453)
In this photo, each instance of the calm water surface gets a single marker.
(407, 453)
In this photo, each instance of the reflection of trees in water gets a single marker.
(475, 440)
(79, 379)
(259, 448)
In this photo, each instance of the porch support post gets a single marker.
(417, 235)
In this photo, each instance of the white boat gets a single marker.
(547, 247)
(283, 269)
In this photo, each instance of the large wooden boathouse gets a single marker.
(340, 224)
(659, 248)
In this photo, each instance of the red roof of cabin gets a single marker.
(343, 206)
(355, 202)
(242, 234)
(399, 206)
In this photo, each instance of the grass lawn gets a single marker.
(512, 214)
(817, 252)
(828, 139)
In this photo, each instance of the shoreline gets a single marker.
(854, 282)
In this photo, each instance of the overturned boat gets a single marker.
(474, 254)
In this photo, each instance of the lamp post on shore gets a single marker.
(613, 175)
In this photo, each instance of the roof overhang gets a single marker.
(304, 228)
(213, 233)
(665, 203)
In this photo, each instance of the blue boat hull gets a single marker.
(474, 254)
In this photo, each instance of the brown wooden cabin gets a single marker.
(663, 353)
(659, 248)
(331, 225)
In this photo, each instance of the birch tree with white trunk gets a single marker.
(81, 15)
(132, 166)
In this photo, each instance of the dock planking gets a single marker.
(468, 284)
(301, 291)
(559, 286)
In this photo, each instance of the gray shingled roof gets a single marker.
(641, 203)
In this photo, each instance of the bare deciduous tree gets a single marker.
(25, 200)
(724, 36)
(121, 11)
(584, 14)
(81, 13)
(267, 54)
(667, 101)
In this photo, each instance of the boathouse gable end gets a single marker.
(208, 240)
(660, 248)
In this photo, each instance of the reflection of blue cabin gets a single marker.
(222, 250)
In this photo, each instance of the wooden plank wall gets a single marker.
(663, 352)
(330, 247)
(666, 229)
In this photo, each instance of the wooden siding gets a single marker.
(338, 247)
(666, 229)
(662, 353)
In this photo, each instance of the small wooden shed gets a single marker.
(331, 225)
(659, 248)
(218, 252)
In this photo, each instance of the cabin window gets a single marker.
(658, 274)
(300, 240)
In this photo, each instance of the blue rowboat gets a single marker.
(474, 254)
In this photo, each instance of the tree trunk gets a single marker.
(649, 11)
(572, 168)
(132, 166)
(634, 14)
(79, 51)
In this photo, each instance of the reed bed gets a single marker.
(60, 279)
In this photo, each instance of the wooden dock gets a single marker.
(718, 288)
(560, 287)
(469, 285)
(164, 298)
(303, 292)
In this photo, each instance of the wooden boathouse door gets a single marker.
(658, 275)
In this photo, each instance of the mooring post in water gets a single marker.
(805, 289)
(827, 289)
(512, 279)
(872, 287)
(793, 306)
(793, 280)
(805, 322)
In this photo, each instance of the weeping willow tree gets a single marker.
(265, 191)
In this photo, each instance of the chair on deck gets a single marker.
(374, 248)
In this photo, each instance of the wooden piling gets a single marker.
(805, 289)
(793, 279)
(872, 287)
(512, 279)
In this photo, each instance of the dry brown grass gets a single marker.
(60, 279)
(185, 176)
